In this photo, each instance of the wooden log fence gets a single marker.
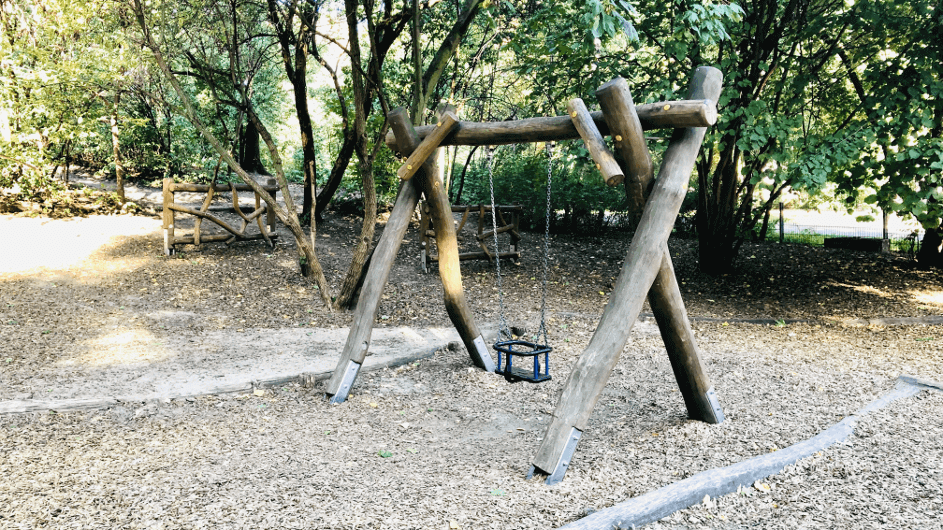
(508, 217)
(170, 208)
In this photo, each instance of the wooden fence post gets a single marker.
(643, 261)
(168, 217)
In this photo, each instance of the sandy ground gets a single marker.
(437, 443)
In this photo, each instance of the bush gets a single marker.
(580, 200)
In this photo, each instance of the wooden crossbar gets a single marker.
(668, 114)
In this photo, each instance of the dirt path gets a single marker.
(459, 440)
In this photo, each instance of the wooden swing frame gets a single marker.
(647, 269)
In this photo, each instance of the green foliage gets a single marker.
(900, 124)
(580, 200)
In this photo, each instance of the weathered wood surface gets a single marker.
(695, 385)
(449, 263)
(381, 262)
(197, 224)
(664, 296)
(169, 207)
(605, 161)
(203, 188)
(426, 231)
(480, 255)
(629, 143)
(687, 113)
(167, 217)
(447, 122)
(591, 372)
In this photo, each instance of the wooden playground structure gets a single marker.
(646, 271)
(235, 234)
(510, 217)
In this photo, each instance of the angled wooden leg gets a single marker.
(449, 264)
(642, 264)
(693, 381)
(664, 296)
(358, 340)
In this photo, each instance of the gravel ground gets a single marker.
(438, 444)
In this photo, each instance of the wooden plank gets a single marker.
(203, 188)
(664, 296)
(189, 240)
(381, 261)
(631, 149)
(449, 264)
(167, 217)
(447, 122)
(688, 113)
(595, 144)
(468, 256)
(591, 372)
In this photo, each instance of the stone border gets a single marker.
(661, 503)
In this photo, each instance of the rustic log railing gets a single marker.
(646, 271)
(235, 234)
(509, 222)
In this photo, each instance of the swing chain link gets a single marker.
(503, 329)
(542, 332)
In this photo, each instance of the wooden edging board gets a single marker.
(661, 503)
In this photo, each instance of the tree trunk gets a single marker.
(307, 136)
(249, 149)
(346, 298)
(337, 174)
(116, 147)
(931, 249)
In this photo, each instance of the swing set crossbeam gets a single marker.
(663, 115)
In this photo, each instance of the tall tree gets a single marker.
(154, 38)
(894, 71)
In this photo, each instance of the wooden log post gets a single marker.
(447, 122)
(642, 264)
(665, 295)
(595, 144)
(628, 136)
(270, 212)
(445, 237)
(168, 217)
(686, 113)
(365, 314)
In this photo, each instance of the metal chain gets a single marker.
(503, 330)
(543, 292)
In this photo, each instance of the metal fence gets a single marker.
(906, 241)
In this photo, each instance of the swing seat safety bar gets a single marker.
(506, 352)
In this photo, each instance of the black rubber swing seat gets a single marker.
(524, 349)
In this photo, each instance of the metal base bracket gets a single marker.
(483, 354)
(715, 405)
(350, 375)
(555, 476)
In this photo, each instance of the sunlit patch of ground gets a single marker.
(927, 297)
(62, 244)
(123, 346)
